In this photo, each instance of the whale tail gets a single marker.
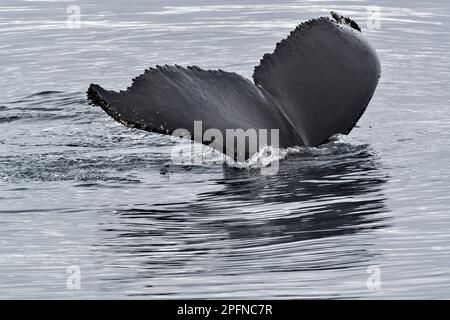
(317, 83)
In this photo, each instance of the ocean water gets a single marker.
(364, 216)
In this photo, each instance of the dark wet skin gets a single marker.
(317, 83)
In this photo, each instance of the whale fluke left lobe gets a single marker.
(167, 98)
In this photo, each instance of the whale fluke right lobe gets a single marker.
(322, 76)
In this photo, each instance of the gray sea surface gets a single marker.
(364, 216)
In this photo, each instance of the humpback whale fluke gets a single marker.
(317, 83)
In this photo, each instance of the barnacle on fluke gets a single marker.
(317, 83)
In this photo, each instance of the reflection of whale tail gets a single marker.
(316, 83)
